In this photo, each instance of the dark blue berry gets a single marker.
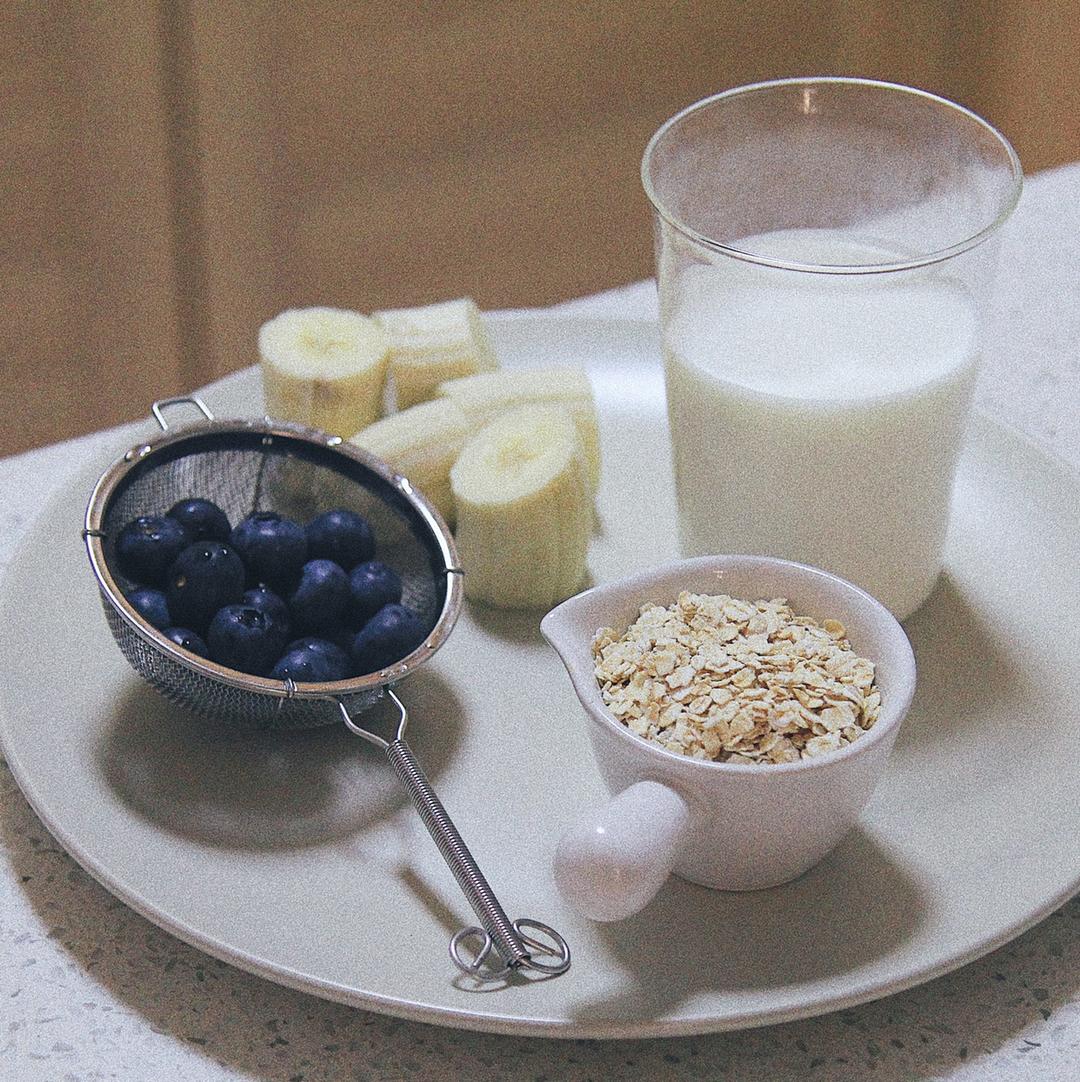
(320, 646)
(203, 520)
(371, 586)
(341, 638)
(273, 548)
(391, 634)
(240, 637)
(151, 605)
(271, 606)
(342, 536)
(312, 661)
(321, 598)
(146, 548)
(187, 639)
(204, 577)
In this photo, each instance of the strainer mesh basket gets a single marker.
(245, 467)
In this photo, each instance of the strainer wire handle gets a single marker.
(457, 856)
(509, 939)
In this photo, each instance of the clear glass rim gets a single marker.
(937, 256)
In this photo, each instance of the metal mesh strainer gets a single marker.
(247, 466)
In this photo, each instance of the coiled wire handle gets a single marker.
(509, 939)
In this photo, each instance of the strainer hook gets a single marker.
(191, 400)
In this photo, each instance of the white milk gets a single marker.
(818, 417)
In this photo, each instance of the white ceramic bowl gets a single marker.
(727, 826)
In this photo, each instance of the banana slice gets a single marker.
(434, 343)
(524, 514)
(324, 367)
(422, 443)
(483, 397)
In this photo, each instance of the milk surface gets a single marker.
(818, 417)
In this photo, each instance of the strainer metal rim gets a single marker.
(113, 476)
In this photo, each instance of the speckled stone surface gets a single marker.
(89, 990)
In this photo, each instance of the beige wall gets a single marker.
(176, 172)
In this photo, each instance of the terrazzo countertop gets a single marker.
(90, 990)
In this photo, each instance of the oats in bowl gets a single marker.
(732, 681)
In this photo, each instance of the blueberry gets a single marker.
(340, 637)
(147, 547)
(371, 586)
(203, 520)
(271, 606)
(332, 650)
(342, 536)
(151, 605)
(273, 548)
(312, 661)
(204, 577)
(242, 638)
(321, 598)
(187, 639)
(392, 633)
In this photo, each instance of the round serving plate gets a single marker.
(294, 856)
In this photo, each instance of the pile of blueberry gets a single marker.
(269, 597)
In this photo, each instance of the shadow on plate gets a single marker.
(519, 627)
(851, 909)
(259, 790)
(964, 670)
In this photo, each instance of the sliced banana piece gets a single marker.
(483, 397)
(324, 367)
(422, 443)
(524, 513)
(434, 343)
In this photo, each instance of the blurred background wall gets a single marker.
(177, 172)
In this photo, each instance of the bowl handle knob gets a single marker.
(610, 863)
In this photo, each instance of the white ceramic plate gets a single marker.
(295, 856)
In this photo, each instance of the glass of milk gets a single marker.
(824, 252)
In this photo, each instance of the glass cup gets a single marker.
(825, 249)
